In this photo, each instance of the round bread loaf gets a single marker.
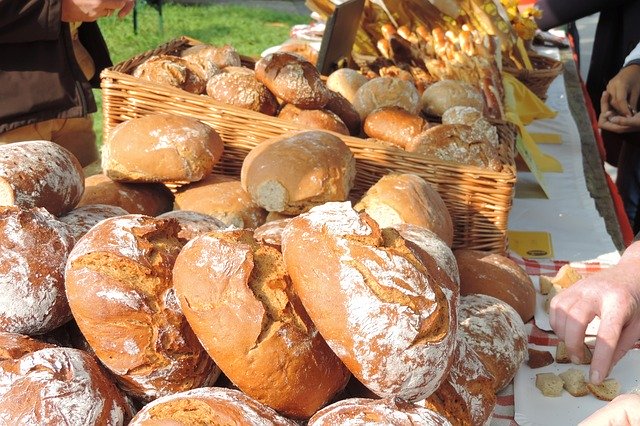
(346, 81)
(15, 346)
(224, 198)
(496, 333)
(59, 386)
(192, 223)
(273, 339)
(474, 118)
(373, 299)
(172, 71)
(301, 48)
(395, 125)
(208, 406)
(222, 57)
(119, 285)
(33, 250)
(444, 94)
(388, 412)
(83, 218)
(40, 174)
(242, 90)
(313, 119)
(340, 106)
(293, 79)
(150, 199)
(386, 92)
(498, 276)
(271, 232)
(161, 148)
(407, 198)
(292, 173)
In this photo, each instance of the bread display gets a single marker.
(242, 90)
(161, 148)
(119, 286)
(40, 174)
(292, 173)
(192, 223)
(360, 284)
(273, 339)
(172, 71)
(550, 384)
(444, 94)
(474, 118)
(319, 119)
(83, 218)
(33, 250)
(386, 92)
(395, 125)
(346, 81)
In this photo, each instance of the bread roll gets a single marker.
(119, 285)
(407, 198)
(33, 250)
(444, 94)
(271, 232)
(200, 56)
(293, 79)
(150, 199)
(83, 218)
(223, 198)
(40, 174)
(161, 148)
(208, 406)
(340, 106)
(273, 338)
(373, 300)
(15, 346)
(172, 71)
(395, 125)
(242, 90)
(346, 81)
(474, 118)
(386, 92)
(292, 173)
(193, 223)
(319, 119)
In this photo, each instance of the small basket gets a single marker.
(538, 80)
(478, 199)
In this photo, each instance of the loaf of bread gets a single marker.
(40, 174)
(193, 223)
(407, 198)
(161, 148)
(222, 56)
(444, 94)
(292, 173)
(271, 232)
(208, 406)
(172, 71)
(33, 250)
(119, 286)
(474, 118)
(200, 56)
(395, 125)
(253, 325)
(242, 90)
(344, 109)
(319, 119)
(224, 198)
(83, 218)
(301, 48)
(386, 92)
(346, 81)
(373, 299)
(59, 386)
(15, 346)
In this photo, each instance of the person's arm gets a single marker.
(624, 410)
(560, 12)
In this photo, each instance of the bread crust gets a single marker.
(242, 90)
(313, 119)
(395, 125)
(172, 71)
(83, 218)
(346, 81)
(444, 94)
(386, 92)
(344, 109)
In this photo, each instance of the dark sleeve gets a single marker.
(560, 12)
(24, 21)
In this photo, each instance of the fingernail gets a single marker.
(595, 377)
(576, 360)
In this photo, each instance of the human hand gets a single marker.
(610, 120)
(91, 10)
(624, 90)
(623, 410)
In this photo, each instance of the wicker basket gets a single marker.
(538, 80)
(479, 200)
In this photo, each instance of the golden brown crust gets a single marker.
(172, 71)
(444, 94)
(339, 105)
(346, 81)
(193, 223)
(83, 218)
(313, 119)
(242, 90)
(15, 346)
(386, 92)
(395, 125)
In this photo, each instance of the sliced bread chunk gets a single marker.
(550, 384)
(562, 355)
(606, 391)
(538, 358)
(574, 382)
(566, 277)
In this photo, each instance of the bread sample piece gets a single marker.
(119, 285)
(340, 106)
(223, 198)
(161, 148)
(292, 173)
(208, 406)
(313, 119)
(272, 338)
(444, 94)
(59, 386)
(474, 118)
(40, 174)
(562, 355)
(242, 90)
(498, 276)
(538, 359)
(407, 198)
(606, 391)
(150, 199)
(565, 278)
(496, 332)
(193, 223)
(394, 125)
(271, 232)
(293, 79)
(346, 81)
(15, 346)
(172, 71)
(390, 412)
(574, 382)
(549, 384)
(377, 305)
(83, 218)
(33, 250)
(386, 92)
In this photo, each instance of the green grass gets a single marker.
(249, 30)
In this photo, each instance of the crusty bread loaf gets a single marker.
(150, 199)
(344, 109)
(301, 48)
(294, 172)
(222, 56)
(242, 90)
(33, 250)
(83, 218)
(293, 79)
(550, 384)
(200, 56)
(40, 174)
(319, 119)
(15, 346)
(161, 148)
(495, 331)
(119, 285)
(273, 339)
(193, 223)
(59, 386)
(172, 71)
(346, 81)
(208, 406)
(474, 118)
(224, 198)
(444, 94)
(574, 382)
(407, 198)
(373, 300)
(498, 276)
(271, 232)
(386, 92)
(395, 125)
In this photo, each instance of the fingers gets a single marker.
(620, 100)
(575, 328)
(128, 7)
(612, 322)
(624, 409)
(620, 124)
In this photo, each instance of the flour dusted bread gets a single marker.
(292, 173)
(218, 275)
(271, 232)
(386, 92)
(394, 125)
(220, 56)
(119, 285)
(444, 94)
(15, 346)
(208, 406)
(193, 223)
(474, 118)
(242, 90)
(172, 71)
(40, 174)
(373, 299)
(346, 81)
(313, 119)
(161, 148)
(33, 250)
(83, 218)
